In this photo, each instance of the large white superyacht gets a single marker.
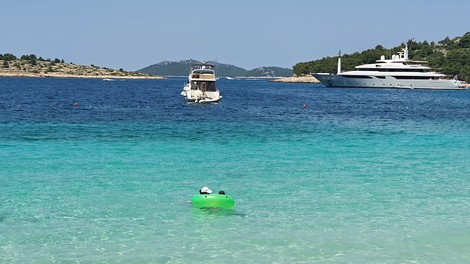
(398, 72)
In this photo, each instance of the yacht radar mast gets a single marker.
(339, 62)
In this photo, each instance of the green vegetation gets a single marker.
(449, 56)
(7, 57)
(34, 66)
(181, 68)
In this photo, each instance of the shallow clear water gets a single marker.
(358, 176)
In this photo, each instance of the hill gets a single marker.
(32, 66)
(449, 56)
(181, 68)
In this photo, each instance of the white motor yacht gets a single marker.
(201, 85)
(397, 72)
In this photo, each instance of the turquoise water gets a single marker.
(358, 176)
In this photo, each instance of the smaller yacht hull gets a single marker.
(195, 96)
(204, 100)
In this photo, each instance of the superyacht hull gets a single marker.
(385, 82)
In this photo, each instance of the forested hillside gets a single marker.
(449, 56)
(181, 68)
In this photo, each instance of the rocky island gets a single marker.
(31, 66)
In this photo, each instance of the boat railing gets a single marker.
(202, 66)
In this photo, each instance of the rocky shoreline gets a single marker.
(39, 69)
(297, 79)
(48, 75)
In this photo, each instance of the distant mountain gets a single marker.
(181, 68)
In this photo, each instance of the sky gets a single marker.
(133, 34)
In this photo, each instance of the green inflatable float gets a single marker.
(213, 200)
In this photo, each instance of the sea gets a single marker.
(96, 171)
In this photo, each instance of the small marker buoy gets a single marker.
(305, 105)
(75, 104)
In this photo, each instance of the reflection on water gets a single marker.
(215, 212)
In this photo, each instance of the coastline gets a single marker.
(60, 75)
(40, 69)
(297, 79)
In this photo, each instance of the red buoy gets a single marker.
(75, 104)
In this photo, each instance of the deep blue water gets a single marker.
(355, 176)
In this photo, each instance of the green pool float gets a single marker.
(213, 200)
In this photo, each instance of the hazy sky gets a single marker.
(247, 33)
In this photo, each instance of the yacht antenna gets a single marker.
(339, 62)
(405, 51)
